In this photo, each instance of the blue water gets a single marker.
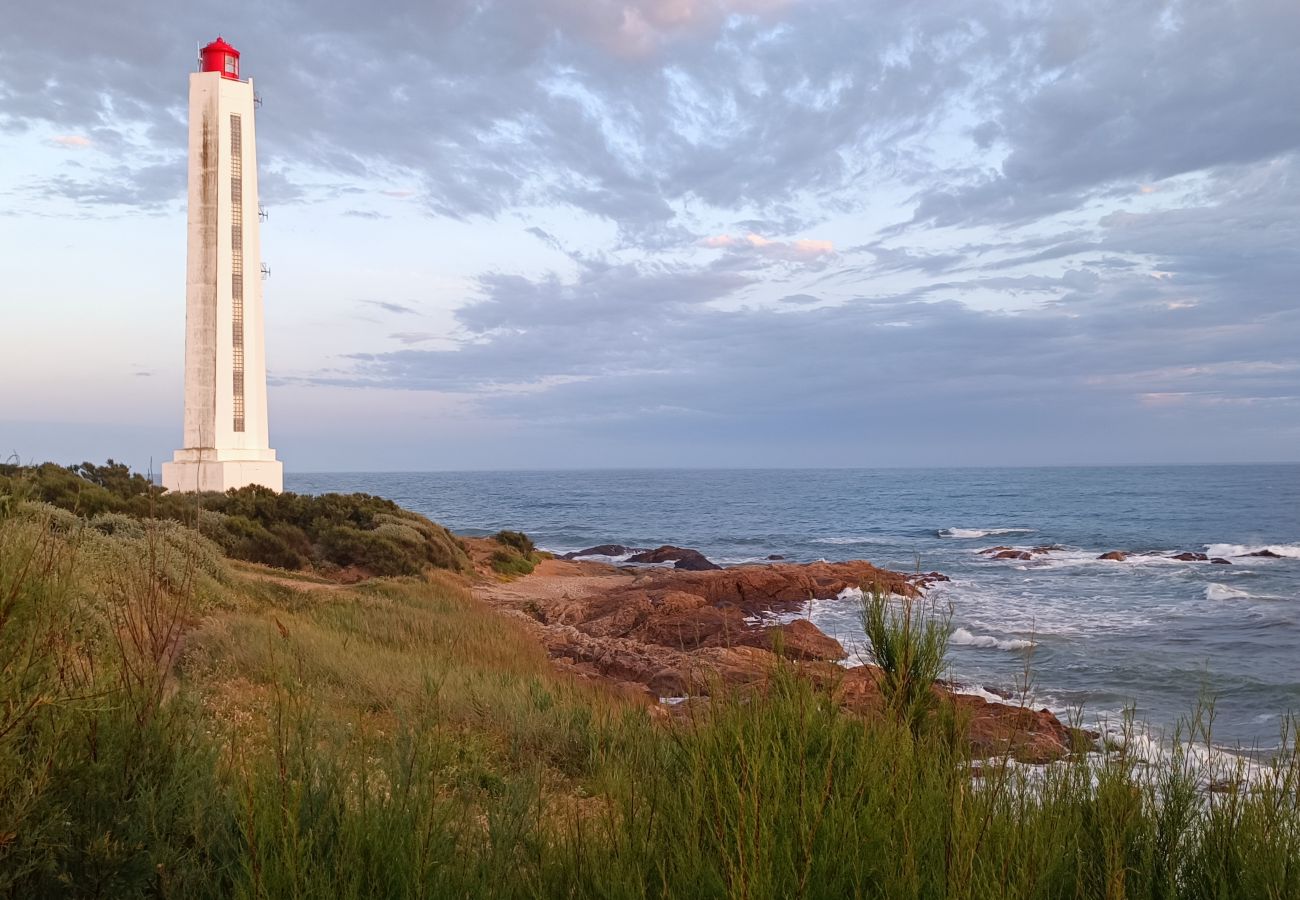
(1150, 632)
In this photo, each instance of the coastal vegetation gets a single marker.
(180, 719)
(323, 533)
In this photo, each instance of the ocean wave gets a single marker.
(1223, 592)
(1291, 551)
(963, 638)
(599, 557)
(980, 532)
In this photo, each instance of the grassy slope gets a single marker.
(171, 723)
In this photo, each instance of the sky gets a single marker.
(591, 233)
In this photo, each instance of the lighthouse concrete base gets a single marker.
(221, 470)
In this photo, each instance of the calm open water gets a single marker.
(1149, 632)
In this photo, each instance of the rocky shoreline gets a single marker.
(679, 633)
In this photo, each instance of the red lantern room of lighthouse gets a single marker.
(220, 57)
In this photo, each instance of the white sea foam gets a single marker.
(1291, 551)
(856, 594)
(980, 532)
(1223, 592)
(598, 557)
(963, 638)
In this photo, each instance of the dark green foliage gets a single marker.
(506, 562)
(291, 531)
(515, 540)
(517, 556)
(348, 546)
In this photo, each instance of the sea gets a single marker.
(1093, 639)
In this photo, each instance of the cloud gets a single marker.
(415, 337)
(395, 308)
(73, 141)
(799, 250)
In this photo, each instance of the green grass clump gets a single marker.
(908, 642)
(517, 555)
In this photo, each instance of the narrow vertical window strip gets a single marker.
(237, 268)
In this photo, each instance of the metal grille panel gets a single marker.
(237, 266)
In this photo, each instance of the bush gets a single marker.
(515, 540)
(343, 545)
(287, 530)
(508, 563)
(908, 640)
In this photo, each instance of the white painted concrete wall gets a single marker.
(215, 456)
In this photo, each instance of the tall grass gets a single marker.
(908, 641)
(164, 735)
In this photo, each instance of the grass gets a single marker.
(174, 726)
(908, 641)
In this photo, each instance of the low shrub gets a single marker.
(506, 562)
(515, 540)
(255, 524)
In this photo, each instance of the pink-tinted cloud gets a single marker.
(637, 28)
(71, 141)
(800, 250)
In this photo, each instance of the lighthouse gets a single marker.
(226, 444)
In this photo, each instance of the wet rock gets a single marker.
(1114, 555)
(1189, 556)
(681, 557)
(776, 587)
(1013, 554)
(775, 556)
(1266, 554)
(1220, 561)
(1045, 548)
(601, 550)
(989, 551)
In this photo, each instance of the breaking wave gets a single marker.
(1223, 592)
(963, 638)
(1291, 551)
(980, 532)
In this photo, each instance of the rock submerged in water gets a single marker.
(1013, 554)
(1114, 556)
(681, 558)
(1189, 556)
(1265, 553)
(1220, 561)
(601, 550)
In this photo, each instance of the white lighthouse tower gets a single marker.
(226, 441)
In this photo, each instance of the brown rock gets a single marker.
(704, 626)
(681, 557)
(1189, 556)
(998, 549)
(1114, 555)
(799, 639)
(1045, 548)
(1029, 735)
(781, 586)
(1013, 554)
